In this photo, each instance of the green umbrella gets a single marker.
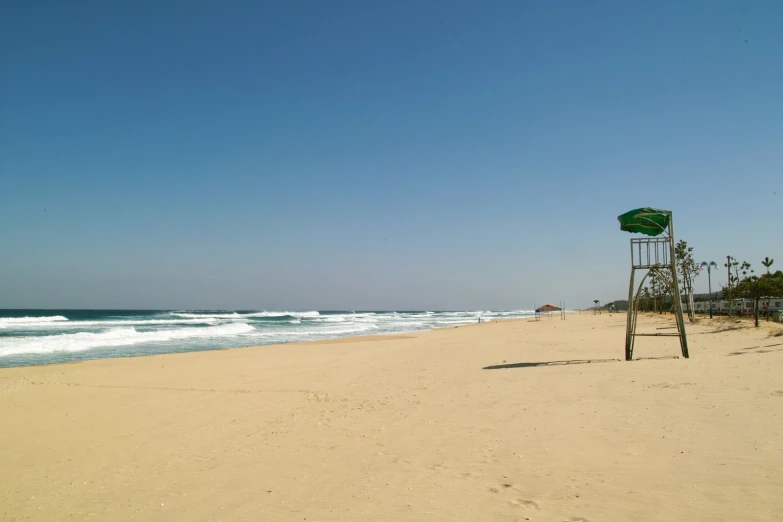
(650, 221)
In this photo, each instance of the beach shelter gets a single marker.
(652, 254)
(547, 308)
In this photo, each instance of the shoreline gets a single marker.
(335, 340)
(88, 335)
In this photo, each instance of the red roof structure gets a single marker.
(547, 308)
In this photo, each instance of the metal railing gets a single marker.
(651, 252)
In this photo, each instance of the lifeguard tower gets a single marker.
(653, 254)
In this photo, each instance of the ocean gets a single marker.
(29, 337)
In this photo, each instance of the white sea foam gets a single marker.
(301, 333)
(304, 314)
(268, 314)
(111, 322)
(282, 314)
(232, 315)
(459, 321)
(366, 318)
(513, 312)
(31, 320)
(331, 319)
(81, 341)
(188, 330)
(340, 330)
(407, 325)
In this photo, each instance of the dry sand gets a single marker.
(411, 427)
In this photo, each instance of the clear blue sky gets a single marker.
(383, 155)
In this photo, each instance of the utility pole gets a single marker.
(728, 272)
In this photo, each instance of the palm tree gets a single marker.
(767, 263)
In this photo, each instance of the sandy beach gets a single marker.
(502, 421)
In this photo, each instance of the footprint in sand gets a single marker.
(489, 455)
(517, 502)
(529, 504)
(671, 385)
(777, 393)
(501, 487)
(576, 519)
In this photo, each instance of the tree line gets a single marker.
(743, 282)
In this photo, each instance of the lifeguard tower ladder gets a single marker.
(653, 254)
